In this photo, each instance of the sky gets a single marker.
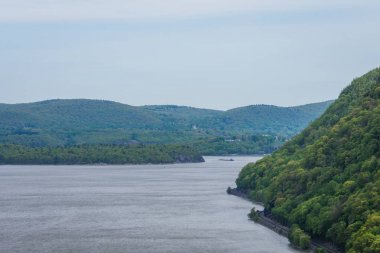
(217, 54)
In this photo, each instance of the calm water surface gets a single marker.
(146, 208)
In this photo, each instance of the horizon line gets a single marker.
(177, 105)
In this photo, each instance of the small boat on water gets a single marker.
(226, 159)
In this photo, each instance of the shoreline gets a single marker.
(267, 221)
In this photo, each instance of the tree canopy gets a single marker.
(327, 179)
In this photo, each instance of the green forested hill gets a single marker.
(267, 119)
(288, 120)
(327, 179)
(81, 121)
(76, 113)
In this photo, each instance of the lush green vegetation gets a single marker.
(246, 130)
(253, 215)
(299, 238)
(327, 179)
(98, 154)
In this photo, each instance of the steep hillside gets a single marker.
(327, 179)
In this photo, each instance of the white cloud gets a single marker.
(73, 10)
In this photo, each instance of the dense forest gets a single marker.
(326, 180)
(247, 130)
(98, 154)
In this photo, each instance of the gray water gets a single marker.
(145, 208)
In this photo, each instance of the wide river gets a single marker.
(145, 208)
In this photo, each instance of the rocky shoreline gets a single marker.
(264, 218)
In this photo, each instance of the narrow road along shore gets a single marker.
(270, 223)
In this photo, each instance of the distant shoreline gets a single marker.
(96, 164)
(11, 154)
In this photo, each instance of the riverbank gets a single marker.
(265, 218)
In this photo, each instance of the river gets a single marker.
(144, 208)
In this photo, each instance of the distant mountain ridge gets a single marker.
(248, 117)
(81, 121)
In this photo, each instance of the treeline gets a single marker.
(99, 154)
(327, 179)
(136, 153)
(207, 142)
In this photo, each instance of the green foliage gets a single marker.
(367, 238)
(247, 130)
(253, 215)
(299, 238)
(327, 179)
(98, 154)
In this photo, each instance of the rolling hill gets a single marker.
(83, 121)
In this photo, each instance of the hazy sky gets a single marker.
(204, 53)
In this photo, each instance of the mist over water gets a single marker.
(146, 208)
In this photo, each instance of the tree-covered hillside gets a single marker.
(266, 119)
(274, 119)
(327, 179)
(258, 129)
